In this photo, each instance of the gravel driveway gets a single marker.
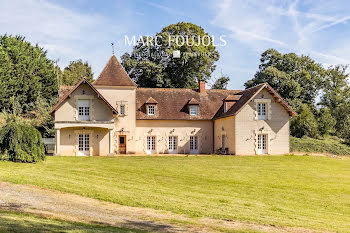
(77, 208)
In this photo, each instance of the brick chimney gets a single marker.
(201, 86)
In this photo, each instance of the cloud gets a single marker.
(289, 26)
(66, 34)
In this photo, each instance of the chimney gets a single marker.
(201, 86)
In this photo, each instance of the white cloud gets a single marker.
(289, 26)
(66, 34)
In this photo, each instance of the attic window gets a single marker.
(194, 110)
(83, 92)
(151, 109)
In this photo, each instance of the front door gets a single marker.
(262, 144)
(84, 144)
(122, 144)
(151, 145)
(194, 149)
(172, 145)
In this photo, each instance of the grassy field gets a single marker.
(331, 145)
(20, 222)
(303, 191)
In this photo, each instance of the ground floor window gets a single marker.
(172, 144)
(84, 144)
(262, 143)
(223, 143)
(151, 144)
(194, 145)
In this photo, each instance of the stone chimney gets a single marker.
(201, 86)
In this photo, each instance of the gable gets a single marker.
(82, 88)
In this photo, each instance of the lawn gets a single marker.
(303, 191)
(20, 222)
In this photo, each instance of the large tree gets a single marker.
(153, 64)
(75, 71)
(298, 79)
(25, 73)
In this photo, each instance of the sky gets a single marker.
(84, 29)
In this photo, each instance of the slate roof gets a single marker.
(113, 74)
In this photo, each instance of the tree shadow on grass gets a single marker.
(23, 223)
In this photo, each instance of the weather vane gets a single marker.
(112, 48)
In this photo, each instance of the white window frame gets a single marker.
(151, 109)
(194, 145)
(84, 111)
(172, 145)
(262, 143)
(194, 110)
(84, 144)
(122, 110)
(151, 144)
(263, 109)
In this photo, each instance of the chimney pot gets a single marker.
(201, 86)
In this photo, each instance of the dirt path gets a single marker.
(76, 208)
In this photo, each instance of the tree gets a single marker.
(326, 122)
(25, 73)
(304, 124)
(195, 63)
(21, 142)
(75, 71)
(298, 79)
(336, 96)
(221, 83)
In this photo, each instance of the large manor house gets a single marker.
(113, 116)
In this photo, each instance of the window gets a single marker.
(83, 110)
(225, 107)
(262, 111)
(223, 146)
(172, 144)
(194, 144)
(122, 110)
(151, 110)
(193, 110)
(151, 144)
(262, 144)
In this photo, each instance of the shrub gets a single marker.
(20, 142)
(330, 145)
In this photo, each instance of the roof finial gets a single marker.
(112, 48)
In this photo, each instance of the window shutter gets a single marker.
(126, 108)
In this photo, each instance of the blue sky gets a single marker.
(83, 29)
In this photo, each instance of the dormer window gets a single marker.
(194, 110)
(151, 106)
(151, 109)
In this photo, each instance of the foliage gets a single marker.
(221, 83)
(25, 73)
(326, 122)
(75, 71)
(247, 188)
(331, 145)
(304, 124)
(292, 76)
(21, 142)
(152, 64)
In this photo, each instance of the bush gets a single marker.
(20, 142)
(331, 145)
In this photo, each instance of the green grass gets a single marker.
(304, 191)
(27, 223)
(330, 145)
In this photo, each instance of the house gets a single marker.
(113, 116)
